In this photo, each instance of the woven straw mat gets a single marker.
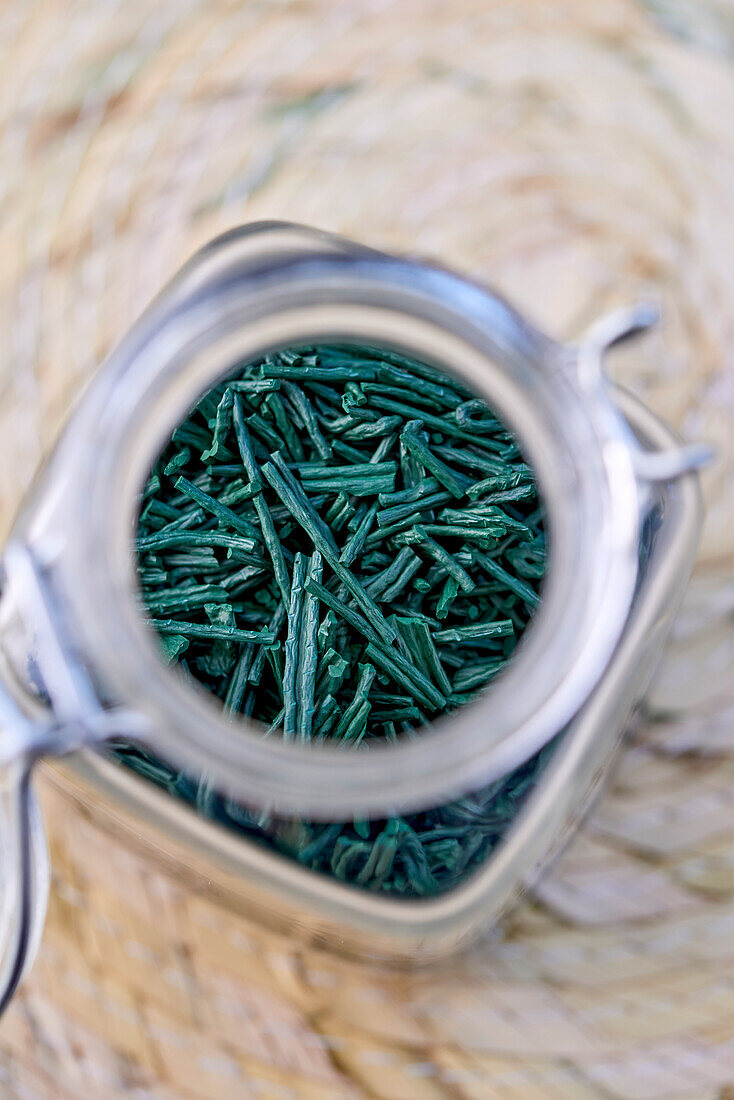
(578, 156)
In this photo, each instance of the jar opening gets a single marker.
(340, 543)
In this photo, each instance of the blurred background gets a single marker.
(576, 155)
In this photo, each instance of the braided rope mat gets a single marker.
(575, 154)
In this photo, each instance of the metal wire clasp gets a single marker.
(616, 328)
(71, 716)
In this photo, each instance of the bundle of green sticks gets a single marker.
(341, 543)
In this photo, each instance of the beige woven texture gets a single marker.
(578, 155)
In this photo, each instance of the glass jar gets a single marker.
(79, 666)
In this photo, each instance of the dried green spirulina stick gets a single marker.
(238, 683)
(393, 572)
(455, 485)
(343, 544)
(292, 647)
(356, 542)
(270, 535)
(210, 633)
(308, 651)
(306, 520)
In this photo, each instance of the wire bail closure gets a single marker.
(616, 328)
